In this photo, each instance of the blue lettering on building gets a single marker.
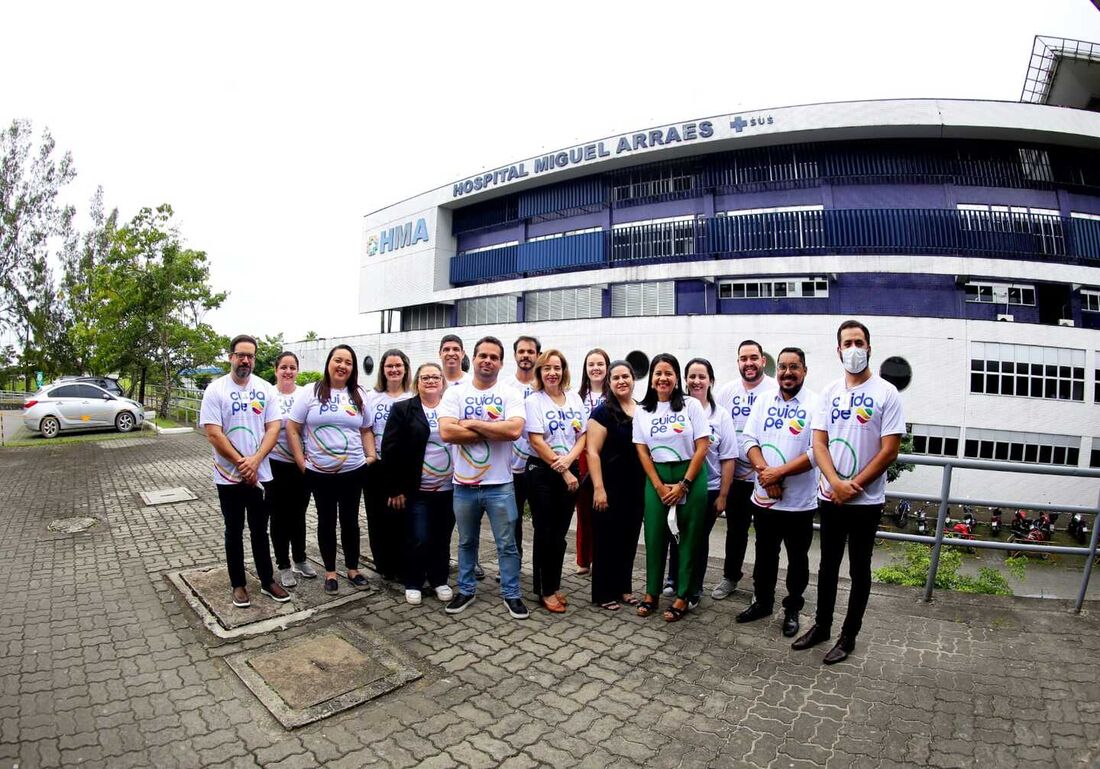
(401, 236)
(587, 153)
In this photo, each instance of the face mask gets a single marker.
(854, 359)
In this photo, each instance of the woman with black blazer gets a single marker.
(418, 475)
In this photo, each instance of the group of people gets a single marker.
(440, 447)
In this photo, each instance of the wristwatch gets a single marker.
(686, 483)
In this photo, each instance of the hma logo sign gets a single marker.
(407, 234)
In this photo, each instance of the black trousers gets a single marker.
(519, 483)
(702, 553)
(429, 524)
(287, 498)
(615, 534)
(794, 530)
(337, 497)
(739, 511)
(854, 525)
(551, 511)
(385, 526)
(238, 502)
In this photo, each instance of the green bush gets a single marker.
(916, 560)
(306, 377)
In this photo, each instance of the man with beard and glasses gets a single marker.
(525, 350)
(857, 434)
(777, 440)
(738, 398)
(240, 417)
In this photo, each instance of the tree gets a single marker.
(898, 467)
(79, 259)
(311, 336)
(32, 221)
(149, 297)
(267, 350)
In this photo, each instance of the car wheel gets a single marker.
(124, 422)
(49, 427)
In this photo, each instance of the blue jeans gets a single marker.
(499, 503)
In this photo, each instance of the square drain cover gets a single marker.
(305, 679)
(164, 496)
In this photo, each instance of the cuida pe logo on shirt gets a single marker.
(251, 401)
(674, 423)
(863, 406)
(486, 406)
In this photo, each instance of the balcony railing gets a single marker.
(850, 231)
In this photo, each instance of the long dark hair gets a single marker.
(586, 385)
(611, 403)
(323, 388)
(380, 385)
(676, 402)
(710, 375)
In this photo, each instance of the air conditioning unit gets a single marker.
(1007, 318)
(1065, 322)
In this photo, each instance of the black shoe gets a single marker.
(479, 573)
(790, 623)
(844, 646)
(811, 637)
(359, 582)
(331, 587)
(275, 592)
(517, 608)
(754, 612)
(458, 603)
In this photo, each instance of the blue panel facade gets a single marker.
(564, 197)
(572, 252)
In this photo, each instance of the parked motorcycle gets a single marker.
(1078, 528)
(995, 521)
(901, 514)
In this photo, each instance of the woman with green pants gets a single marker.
(672, 435)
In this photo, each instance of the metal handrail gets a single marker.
(945, 499)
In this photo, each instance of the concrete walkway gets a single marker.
(103, 663)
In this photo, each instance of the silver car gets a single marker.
(79, 406)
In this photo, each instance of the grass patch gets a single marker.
(25, 440)
(916, 559)
(163, 422)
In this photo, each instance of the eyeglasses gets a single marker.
(789, 367)
(431, 378)
(243, 356)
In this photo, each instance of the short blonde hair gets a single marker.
(421, 367)
(543, 360)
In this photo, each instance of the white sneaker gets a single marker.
(723, 589)
(304, 568)
(412, 597)
(287, 578)
(444, 593)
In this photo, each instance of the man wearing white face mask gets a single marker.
(857, 434)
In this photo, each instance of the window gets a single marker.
(68, 391)
(1035, 164)
(897, 371)
(425, 316)
(1044, 223)
(564, 303)
(1027, 371)
(935, 440)
(779, 227)
(483, 249)
(651, 182)
(565, 234)
(783, 288)
(633, 299)
(1094, 460)
(1000, 293)
(1011, 446)
(653, 238)
(1090, 300)
(768, 165)
(486, 309)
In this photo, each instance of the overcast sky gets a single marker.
(272, 128)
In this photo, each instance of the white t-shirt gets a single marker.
(856, 421)
(738, 401)
(378, 413)
(521, 448)
(483, 463)
(243, 413)
(723, 444)
(560, 426)
(331, 431)
(782, 430)
(592, 401)
(283, 403)
(671, 435)
(464, 379)
(438, 467)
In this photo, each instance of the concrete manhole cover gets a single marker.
(165, 496)
(305, 679)
(71, 525)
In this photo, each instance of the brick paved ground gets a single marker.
(102, 663)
